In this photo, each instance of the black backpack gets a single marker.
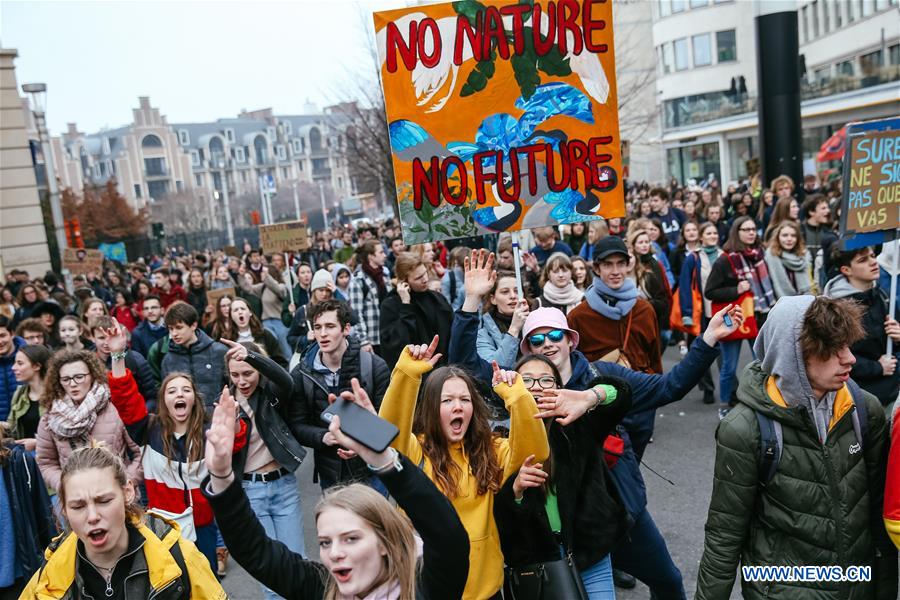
(771, 442)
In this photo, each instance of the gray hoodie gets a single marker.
(840, 287)
(777, 347)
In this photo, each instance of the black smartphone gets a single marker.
(368, 429)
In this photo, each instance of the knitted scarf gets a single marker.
(750, 265)
(569, 296)
(377, 275)
(789, 272)
(612, 304)
(69, 420)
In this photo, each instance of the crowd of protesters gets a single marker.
(153, 415)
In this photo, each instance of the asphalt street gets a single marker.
(683, 452)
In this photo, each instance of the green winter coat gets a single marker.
(822, 507)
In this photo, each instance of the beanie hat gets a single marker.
(320, 280)
(546, 317)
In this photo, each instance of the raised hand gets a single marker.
(425, 352)
(564, 405)
(220, 442)
(403, 292)
(116, 338)
(530, 476)
(718, 330)
(502, 376)
(479, 273)
(531, 262)
(235, 351)
(518, 319)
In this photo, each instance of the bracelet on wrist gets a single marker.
(393, 464)
(230, 473)
(118, 355)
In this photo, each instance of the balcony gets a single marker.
(323, 173)
(160, 172)
(702, 108)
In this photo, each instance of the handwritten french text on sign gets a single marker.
(283, 237)
(81, 261)
(873, 194)
(502, 115)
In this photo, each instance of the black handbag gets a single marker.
(552, 580)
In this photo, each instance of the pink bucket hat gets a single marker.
(546, 317)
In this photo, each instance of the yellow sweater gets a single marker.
(526, 436)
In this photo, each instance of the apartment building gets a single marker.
(707, 77)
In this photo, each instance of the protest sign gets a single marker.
(283, 237)
(502, 115)
(872, 177)
(114, 252)
(212, 296)
(81, 261)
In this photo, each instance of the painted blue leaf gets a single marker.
(550, 100)
(406, 134)
(498, 132)
(464, 150)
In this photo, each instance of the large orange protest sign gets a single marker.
(502, 115)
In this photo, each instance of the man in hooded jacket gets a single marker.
(823, 504)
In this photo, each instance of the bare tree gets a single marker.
(182, 212)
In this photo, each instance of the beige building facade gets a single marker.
(23, 238)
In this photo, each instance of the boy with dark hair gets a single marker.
(191, 351)
(9, 345)
(326, 367)
(875, 371)
(33, 332)
(815, 219)
(167, 291)
(800, 463)
(151, 329)
(671, 218)
(134, 361)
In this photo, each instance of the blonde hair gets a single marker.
(640, 269)
(405, 264)
(775, 245)
(392, 528)
(98, 456)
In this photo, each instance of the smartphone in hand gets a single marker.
(368, 429)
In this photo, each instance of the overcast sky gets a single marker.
(198, 61)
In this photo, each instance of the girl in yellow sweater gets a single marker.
(451, 440)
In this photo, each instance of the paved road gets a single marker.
(682, 451)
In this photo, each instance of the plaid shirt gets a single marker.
(364, 300)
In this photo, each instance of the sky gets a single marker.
(197, 61)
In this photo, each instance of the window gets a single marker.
(867, 6)
(239, 154)
(665, 52)
(229, 136)
(106, 145)
(870, 63)
(285, 173)
(300, 165)
(702, 51)
(726, 47)
(184, 138)
(243, 176)
(137, 190)
(282, 152)
(838, 15)
(894, 54)
(699, 3)
(665, 8)
(822, 74)
(154, 167)
(195, 158)
(288, 127)
(157, 189)
(270, 133)
(850, 16)
(179, 186)
(216, 151)
(260, 149)
(845, 68)
(826, 17)
(681, 54)
(298, 148)
(677, 6)
(814, 9)
(198, 179)
(804, 18)
(151, 141)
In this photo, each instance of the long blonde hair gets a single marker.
(392, 528)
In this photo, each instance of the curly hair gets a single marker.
(53, 389)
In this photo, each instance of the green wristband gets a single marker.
(609, 391)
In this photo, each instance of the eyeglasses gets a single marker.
(76, 379)
(546, 382)
(747, 229)
(556, 335)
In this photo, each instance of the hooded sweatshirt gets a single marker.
(777, 347)
(338, 267)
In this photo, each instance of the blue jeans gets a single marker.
(645, 556)
(277, 328)
(731, 355)
(598, 580)
(206, 543)
(277, 506)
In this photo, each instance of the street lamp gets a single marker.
(222, 164)
(38, 96)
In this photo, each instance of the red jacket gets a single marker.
(175, 293)
(172, 484)
(126, 315)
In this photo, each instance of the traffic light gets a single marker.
(73, 233)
